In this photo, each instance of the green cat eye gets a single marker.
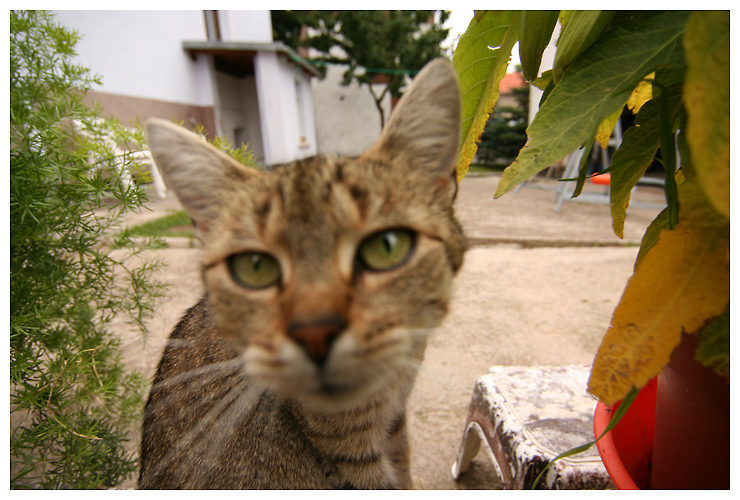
(386, 249)
(254, 269)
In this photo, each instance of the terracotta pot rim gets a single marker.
(608, 451)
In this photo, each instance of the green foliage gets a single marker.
(535, 30)
(505, 132)
(581, 29)
(395, 43)
(291, 27)
(177, 223)
(604, 62)
(242, 154)
(481, 59)
(71, 400)
(600, 82)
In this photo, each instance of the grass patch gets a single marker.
(174, 224)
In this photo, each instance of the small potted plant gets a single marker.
(670, 329)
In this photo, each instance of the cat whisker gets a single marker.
(186, 385)
(232, 418)
(191, 445)
(174, 398)
(179, 343)
(215, 370)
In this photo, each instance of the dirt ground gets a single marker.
(537, 288)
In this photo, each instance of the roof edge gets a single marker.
(205, 47)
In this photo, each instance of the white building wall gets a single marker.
(348, 121)
(296, 115)
(245, 26)
(139, 53)
(239, 116)
(279, 109)
(307, 119)
(547, 62)
(254, 123)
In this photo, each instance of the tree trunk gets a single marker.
(379, 104)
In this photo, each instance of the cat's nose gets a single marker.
(317, 336)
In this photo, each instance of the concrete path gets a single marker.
(537, 288)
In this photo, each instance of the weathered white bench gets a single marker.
(525, 416)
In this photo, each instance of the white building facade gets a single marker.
(350, 121)
(220, 69)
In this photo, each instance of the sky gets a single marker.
(458, 22)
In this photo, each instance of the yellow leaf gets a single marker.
(642, 93)
(604, 132)
(707, 101)
(680, 285)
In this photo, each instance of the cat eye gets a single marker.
(254, 269)
(387, 249)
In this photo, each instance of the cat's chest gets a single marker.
(244, 436)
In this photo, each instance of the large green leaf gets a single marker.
(480, 60)
(535, 31)
(598, 83)
(581, 30)
(583, 169)
(707, 98)
(636, 153)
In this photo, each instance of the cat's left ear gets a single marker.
(423, 132)
(200, 175)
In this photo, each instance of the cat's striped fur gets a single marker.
(303, 384)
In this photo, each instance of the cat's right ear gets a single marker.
(198, 173)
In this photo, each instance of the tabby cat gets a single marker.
(323, 279)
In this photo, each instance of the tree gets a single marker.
(505, 132)
(71, 270)
(384, 46)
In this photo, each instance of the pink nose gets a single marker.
(317, 336)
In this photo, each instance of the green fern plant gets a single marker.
(71, 401)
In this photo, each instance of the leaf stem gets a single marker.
(616, 417)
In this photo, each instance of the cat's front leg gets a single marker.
(399, 453)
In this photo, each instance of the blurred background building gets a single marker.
(220, 69)
(290, 84)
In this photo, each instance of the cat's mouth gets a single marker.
(335, 390)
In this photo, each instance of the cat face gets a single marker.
(326, 275)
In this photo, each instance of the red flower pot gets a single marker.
(676, 435)
(627, 449)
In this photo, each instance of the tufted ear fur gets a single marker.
(424, 129)
(197, 172)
